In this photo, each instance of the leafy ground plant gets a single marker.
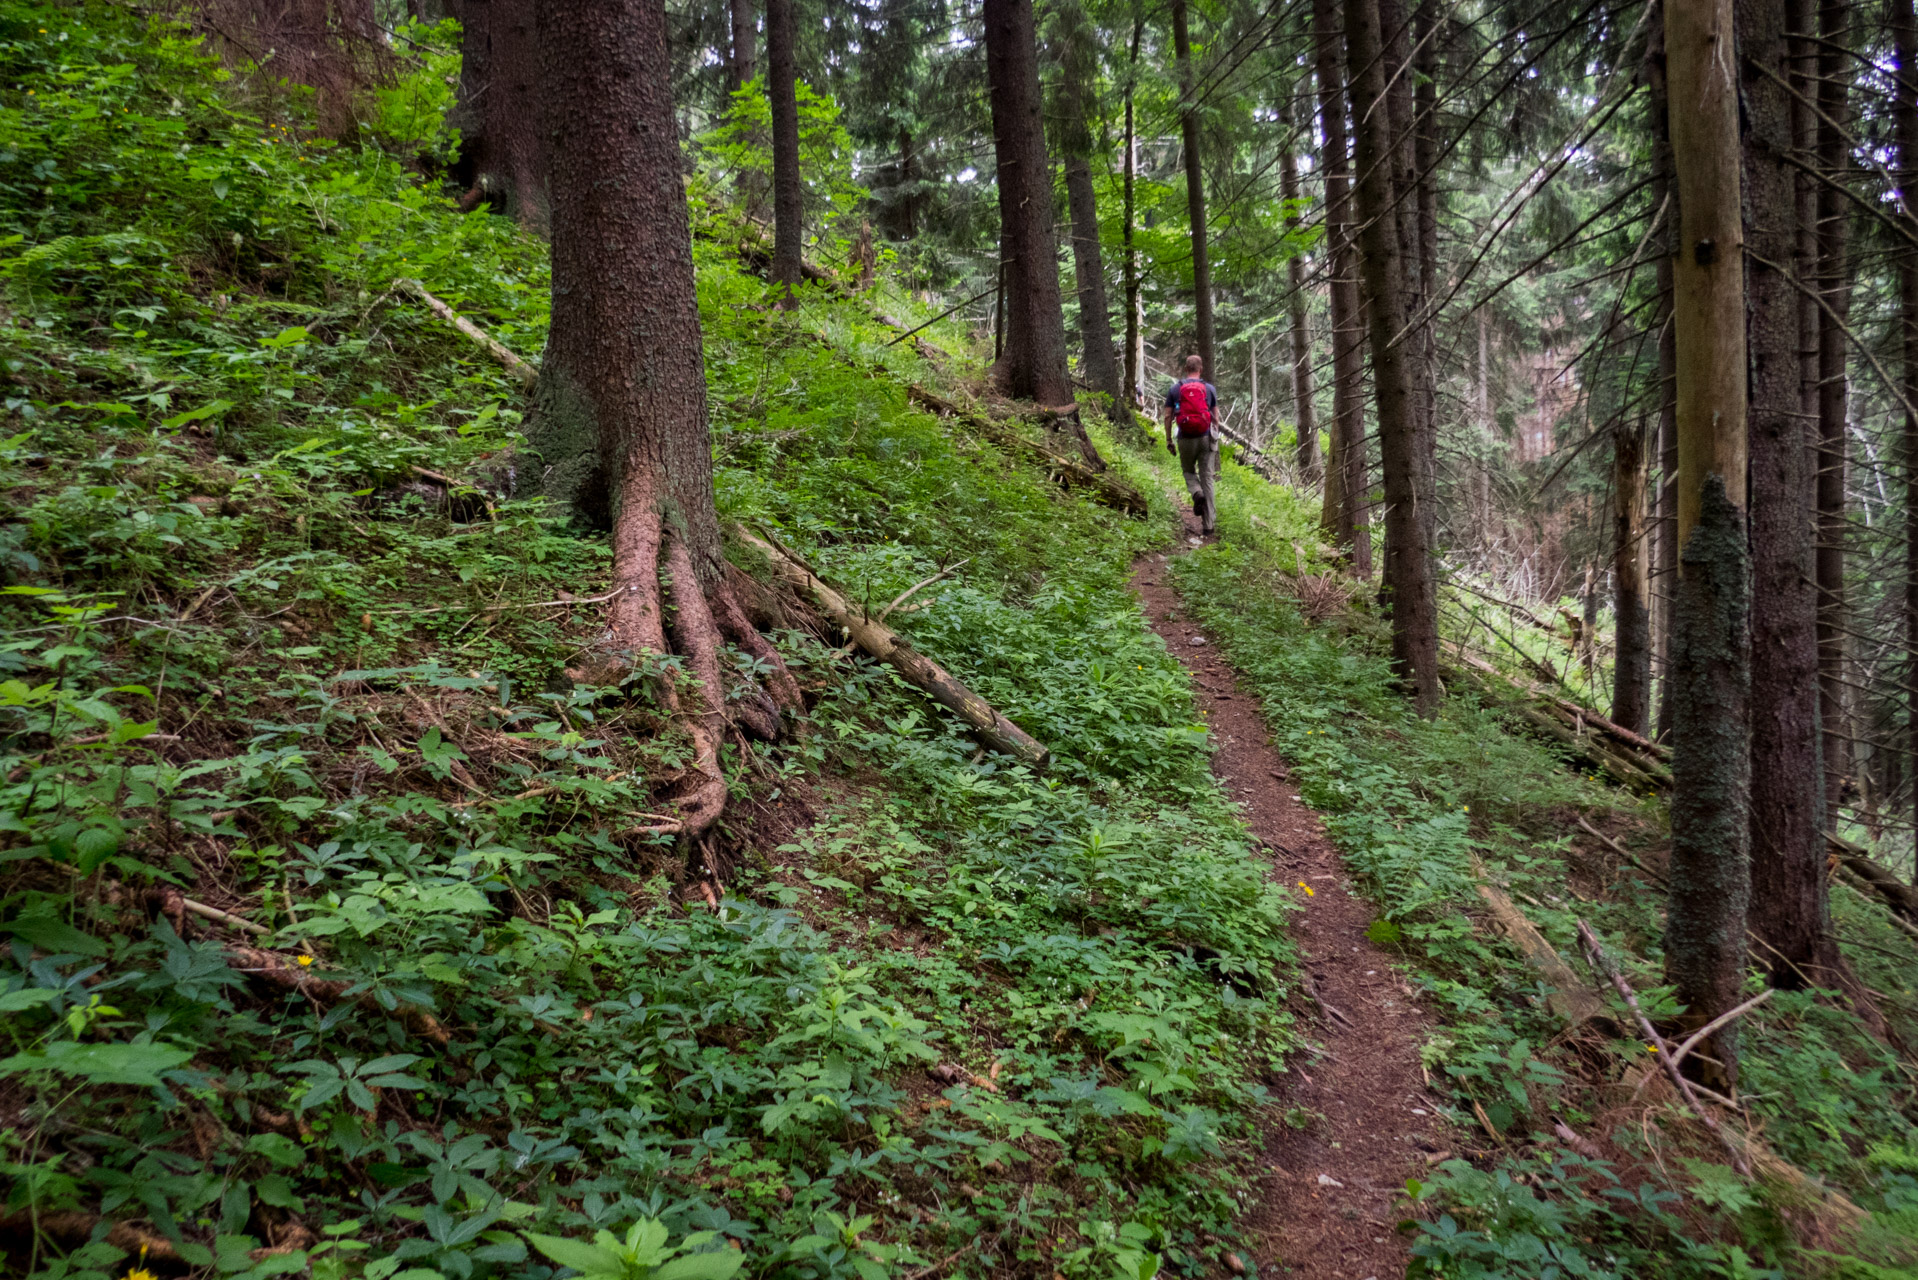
(340, 928)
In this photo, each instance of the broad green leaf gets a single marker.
(52, 934)
(588, 1260)
(720, 1264)
(135, 1064)
(26, 998)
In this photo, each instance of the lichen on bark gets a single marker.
(1711, 773)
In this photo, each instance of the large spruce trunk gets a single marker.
(1194, 185)
(1710, 872)
(1304, 410)
(1344, 512)
(1134, 339)
(1032, 364)
(1408, 586)
(1100, 362)
(1904, 27)
(1835, 68)
(620, 422)
(789, 204)
(1664, 196)
(1789, 918)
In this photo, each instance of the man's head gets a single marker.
(1194, 366)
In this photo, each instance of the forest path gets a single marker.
(1326, 1192)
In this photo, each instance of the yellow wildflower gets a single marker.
(304, 961)
(1308, 889)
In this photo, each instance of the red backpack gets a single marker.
(1194, 414)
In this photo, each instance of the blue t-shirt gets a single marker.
(1211, 395)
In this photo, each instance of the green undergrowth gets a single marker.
(260, 656)
(1422, 812)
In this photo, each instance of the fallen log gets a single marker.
(1571, 999)
(893, 649)
(1107, 489)
(287, 974)
(1658, 754)
(520, 369)
(1619, 767)
(1900, 898)
(1253, 460)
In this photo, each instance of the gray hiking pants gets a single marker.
(1199, 460)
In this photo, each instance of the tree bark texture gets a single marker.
(1408, 584)
(1194, 184)
(1631, 565)
(1344, 512)
(1133, 361)
(620, 418)
(1305, 411)
(1904, 26)
(1100, 362)
(742, 56)
(1424, 180)
(1665, 195)
(1835, 68)
(1033, 364)
(1789, 914)
(502, 161)
(789, 202)
(1710, 877)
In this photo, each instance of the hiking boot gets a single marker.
(1198, 505)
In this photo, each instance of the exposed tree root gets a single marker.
(653, 568)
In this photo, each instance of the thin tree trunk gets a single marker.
(1343, 515)
(1710, 875)
(1631, 564)
(1409, 589)
(1252, 367)
(1904, 27)
(624, 299)
(1304, 411)
(740, 67)
(789, 207)
(1078, 69)
(1834, 282)
(1664, 195)
(1424, 177)
(1194, 186)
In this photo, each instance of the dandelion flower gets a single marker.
(1308, 889)
(305, 961)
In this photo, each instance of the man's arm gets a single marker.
(1169, 446)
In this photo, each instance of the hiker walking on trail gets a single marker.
(1191, 415)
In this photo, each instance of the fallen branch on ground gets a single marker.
(1602, 963)
(277, 970)
(520, 369)
(918, 670)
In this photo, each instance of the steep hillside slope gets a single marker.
(345, 928)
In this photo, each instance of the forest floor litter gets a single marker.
(1353, 1121)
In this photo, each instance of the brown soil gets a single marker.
(1327, 1193)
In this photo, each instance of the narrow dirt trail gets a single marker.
(1326, 1197)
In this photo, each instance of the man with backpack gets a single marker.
(1191, 410)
